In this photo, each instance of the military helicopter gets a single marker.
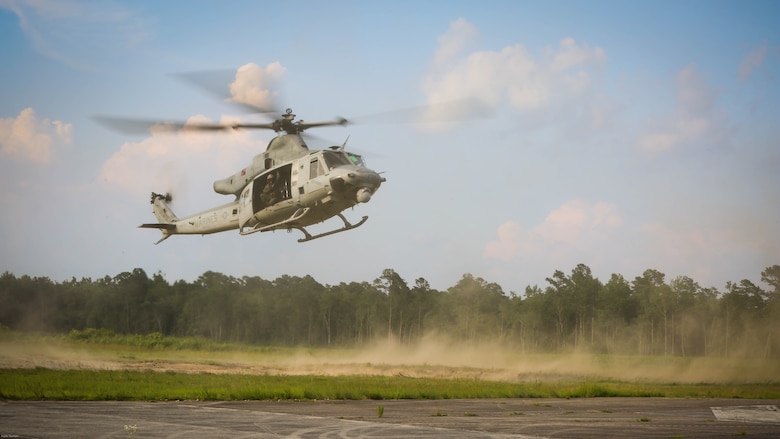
(286, 187)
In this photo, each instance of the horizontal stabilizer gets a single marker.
(161, 226)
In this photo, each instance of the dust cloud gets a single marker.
(433, 357)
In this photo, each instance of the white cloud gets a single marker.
(512, 74)
(168, 159)
(695, 121)
(578, 220)
(576, 225)
(254, 85)
(510, 239)
(752, 61)
(457, 38)
(571, 55)
(165, 161)
(27, 138)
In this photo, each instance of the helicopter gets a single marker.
(287, 187)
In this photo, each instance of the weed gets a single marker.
(380, 411)
(644, 420)
(131, 429)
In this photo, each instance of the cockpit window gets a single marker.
(356, 159)
(334, 159)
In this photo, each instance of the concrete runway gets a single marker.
(483, 418)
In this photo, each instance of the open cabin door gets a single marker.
(264, 192)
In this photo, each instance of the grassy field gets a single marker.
(70, 385)
(69, 368)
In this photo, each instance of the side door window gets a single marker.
(315, 168)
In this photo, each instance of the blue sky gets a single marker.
(625, 135)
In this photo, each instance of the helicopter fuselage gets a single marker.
(287, 187)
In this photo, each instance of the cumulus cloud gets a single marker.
(578, 220)
(173, 155)
(597, 234)
(511, 238)
(577, 224)
(254, 85)
(513, 74)
(752, 61)
(164, 161)
(695, 121)
(456, 39)
(30, 139)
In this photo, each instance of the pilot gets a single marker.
(270, 193)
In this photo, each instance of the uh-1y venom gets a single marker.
(286, 187)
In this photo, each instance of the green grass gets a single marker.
(81, 366)
(80, 385)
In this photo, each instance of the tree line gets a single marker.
(648, 315)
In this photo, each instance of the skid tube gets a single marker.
(347, 226)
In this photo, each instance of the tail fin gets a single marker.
(162, 211)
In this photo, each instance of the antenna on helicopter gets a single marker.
(344, 145)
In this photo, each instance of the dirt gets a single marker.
(427, 360)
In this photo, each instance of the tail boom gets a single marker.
(218, 219)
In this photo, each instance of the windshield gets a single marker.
(356, 159)
(335, 159)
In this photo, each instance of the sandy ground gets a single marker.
(504, 418)
(517, 418)
(430, 360)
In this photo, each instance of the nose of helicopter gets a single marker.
(365, 180)
(363, 195)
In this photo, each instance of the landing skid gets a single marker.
(347, 226)
(288, 224)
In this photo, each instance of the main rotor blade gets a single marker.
(145, 126)
(338, 121)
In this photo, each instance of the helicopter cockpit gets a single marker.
(337, 157)
(356, 159)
